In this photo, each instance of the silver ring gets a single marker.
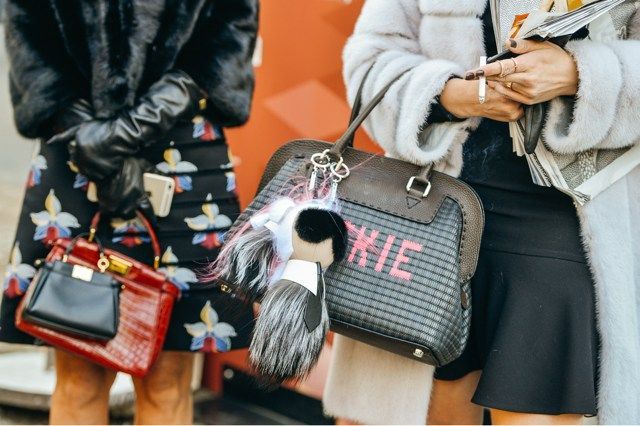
(321, 160)
(335, 170)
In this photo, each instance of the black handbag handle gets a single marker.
(359, 114)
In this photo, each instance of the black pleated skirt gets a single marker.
(533, 327)
(196, 156)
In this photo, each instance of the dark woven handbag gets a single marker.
(404, 285)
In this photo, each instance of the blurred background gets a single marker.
(299, 93)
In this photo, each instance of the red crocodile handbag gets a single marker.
(145, 304)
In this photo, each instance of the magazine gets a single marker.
(586, 174)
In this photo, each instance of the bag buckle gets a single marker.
(118, 265)
(410, 188)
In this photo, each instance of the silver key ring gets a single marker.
(336, 170)
(321, 160)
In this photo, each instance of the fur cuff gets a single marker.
(415, 142)
(578, 125)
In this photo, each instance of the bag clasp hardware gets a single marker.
(418, 353)
(103, 263)
(118, 265)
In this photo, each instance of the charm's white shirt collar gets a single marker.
(302, 272)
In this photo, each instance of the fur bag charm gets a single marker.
(293, 321)
(278, 258)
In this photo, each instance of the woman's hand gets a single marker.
(460, 98)
(542, 72)
(123, 193)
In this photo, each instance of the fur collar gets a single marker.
(114, 41)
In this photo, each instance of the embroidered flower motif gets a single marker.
(208, 240)
(209, 335)
(53, 223)
(204, 130)
(129, 233)
(173, 164)
(38, 164)
(18, 275)
(180, 277)
(80, 181)
(231, 181)
(210, 221)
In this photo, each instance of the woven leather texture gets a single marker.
(146, 302)
(400, 281)
(379, 182)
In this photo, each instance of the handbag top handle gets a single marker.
(155, 244)
(360, 113)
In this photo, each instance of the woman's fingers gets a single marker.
(521, 46)
(521, 78)
(500, 107)
(510, 93)
(519, 64)
(492, 69)
(502, 69)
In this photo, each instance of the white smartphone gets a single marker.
(159, 187)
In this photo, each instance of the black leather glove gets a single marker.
(122, 193)
(66, 122)
(100, 146)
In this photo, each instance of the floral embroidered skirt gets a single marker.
(204, 206)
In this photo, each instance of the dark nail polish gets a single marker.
(479, 73)
(469, 76)
(513, 43)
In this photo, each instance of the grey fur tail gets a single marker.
(282, 347)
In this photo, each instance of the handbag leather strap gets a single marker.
(359, 114)
(155, 243)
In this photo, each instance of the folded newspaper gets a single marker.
(583, 175)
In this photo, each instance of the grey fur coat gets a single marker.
(370, 386)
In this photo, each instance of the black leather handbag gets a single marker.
(74, 299)
(404, 285)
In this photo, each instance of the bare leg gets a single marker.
(164, 395)
(81, 395)
(451, 401)
(499, 417)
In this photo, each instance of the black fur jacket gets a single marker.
(111, 51)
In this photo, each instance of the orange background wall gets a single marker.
(299, 93)
(299, 87)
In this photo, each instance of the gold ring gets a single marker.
(508, 84)
(502, 74)
(515, 65)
